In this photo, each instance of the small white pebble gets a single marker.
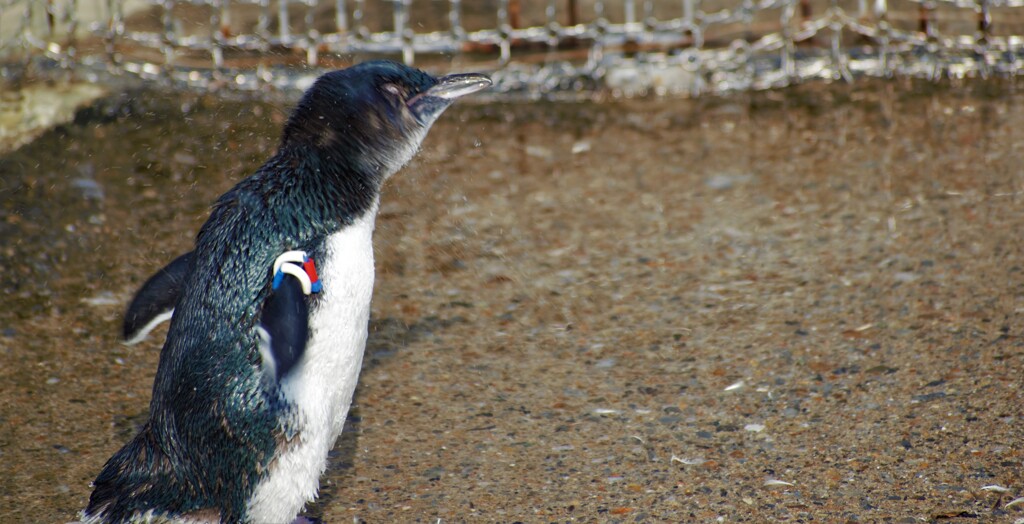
(52, 380)
(605, 411)
(905, 277)
(776, 482)
(995, 487)
(581, 146)
(756, 428)
(688, 461)
(735, 385)
(104, 298)
(539, 152)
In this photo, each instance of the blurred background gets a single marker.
(629, 46)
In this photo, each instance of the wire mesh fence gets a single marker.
(530, 46)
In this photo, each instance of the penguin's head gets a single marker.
(374, 114)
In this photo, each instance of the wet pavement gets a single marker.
(800, 306)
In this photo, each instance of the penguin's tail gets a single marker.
(138, 480)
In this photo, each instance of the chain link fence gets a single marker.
(536, 47)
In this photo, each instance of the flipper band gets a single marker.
(288, 263)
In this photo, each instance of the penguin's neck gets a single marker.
(340, 187)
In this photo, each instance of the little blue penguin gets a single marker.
(269, 312)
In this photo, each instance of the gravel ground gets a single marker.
(799, 306)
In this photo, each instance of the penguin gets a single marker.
(269, 312)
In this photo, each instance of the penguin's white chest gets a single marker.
(322, 383)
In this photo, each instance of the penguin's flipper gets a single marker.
(284, 328)
(154, 302)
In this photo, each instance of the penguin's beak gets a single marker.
(429, 104)
(453, 86)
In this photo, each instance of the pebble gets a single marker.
(89, 188)
(724, 181)
(539, 152)
(102, 299)
(581, 146)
